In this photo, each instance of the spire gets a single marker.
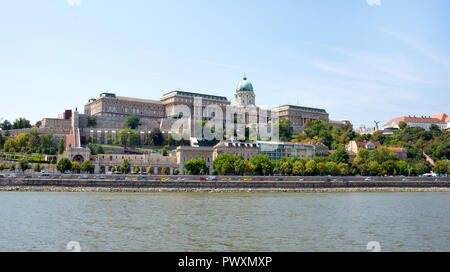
(245, 77)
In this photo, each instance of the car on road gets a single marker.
(202, 179)
(369, 179)
(13, 175)
(28, 177)
(301, 179)
(99, 177)
(142, 177)
(341, 179)
(279, 179)
(57, 176)
(44, 175)
(212, 178)
(181, 179)
(83, 177)
(2, 176)
(119, 178)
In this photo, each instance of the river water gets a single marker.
(224, 221)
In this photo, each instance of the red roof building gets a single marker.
(419, 121)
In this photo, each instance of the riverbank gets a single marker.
(215, 190)
(77, 185)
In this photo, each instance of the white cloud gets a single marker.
(74, 2)
(374, 2)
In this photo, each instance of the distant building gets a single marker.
(298, 115)
(353, 146)
(277, 150)
(235, 148)
(422, 121)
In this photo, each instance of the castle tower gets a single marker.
(244, 93)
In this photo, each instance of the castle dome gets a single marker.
(244, 86)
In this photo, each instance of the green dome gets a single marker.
(244, 86)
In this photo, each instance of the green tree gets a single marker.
(311, 168)
(298, 168)
(402, 125)
(156, 137)
(285, 129)
(176, 171)
(61, 146)
(6, 125)
(88, 167)
(76, 167)
(137, 169)
(196, 167)
(262, 165)
(127, 137)
(100, 150)
(374, 168)
(24, 165)
(344, 170)
(340, 155)
(12, 167)
(64, 165)
(150, 170)
(322, 168)
(333, 169)
(132, 121)
(441, 167)
(125, 168)
(37, 168)
(165, 171)
(21, 123)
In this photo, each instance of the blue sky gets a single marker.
(361, 60)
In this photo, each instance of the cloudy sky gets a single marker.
(361, 60)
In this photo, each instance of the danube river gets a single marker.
(36, 221)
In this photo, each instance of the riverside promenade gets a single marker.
(236, 184)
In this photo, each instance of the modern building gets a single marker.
(277, 150)
(419, 121)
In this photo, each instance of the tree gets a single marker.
(113, 169)
(311, 168)
(340, 155)
(441, 167)
(137, 169)
(132, 121)
(12, 167)
(125, 168)
(6, 125)
(221, 160)
(285, 129)
(150, 170)
(92, 148)
(23, 165)
(88, 167)
(127, 137)
(298, 168)
(37, 168)
(374, 168)
(156, 137)
(227, 168)
(176, 171)
(262, 165)
(165, 171)
(333, 169)
(321, 168)
(21, 123)
(76, 167)
(344, 170)
(38, 124)
(64, 165)
(196, 167)
(402, 125)
(61, 146)
(382, 154)
(100, 150)
(48, 145)
(2, 167)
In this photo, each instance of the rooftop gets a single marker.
(297, 107)
(194, 94)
